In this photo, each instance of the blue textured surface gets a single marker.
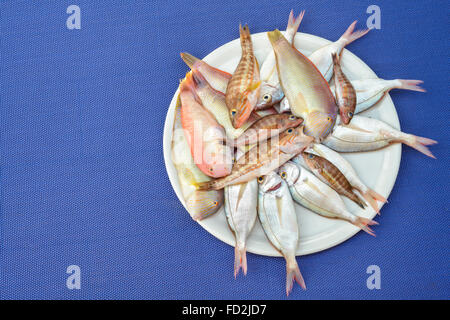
(82, 173)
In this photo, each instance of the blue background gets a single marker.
(82, 172)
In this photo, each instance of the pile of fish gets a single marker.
(267, 136)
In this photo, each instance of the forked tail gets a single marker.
(293, 25)
(240, 260)
(189, 59)
(364, 224)
(293, 273)
(420, 144)
(410, 85)
(372, 197)
(349, 36)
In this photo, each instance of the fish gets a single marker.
(271, 91)
(241, 211)
(244, 86)
(214, 101)
(267, 127)
(205, 136)
(284, 106)
(370, 91)
(371, 196)
(322, 56)
(276, 211)
(344, 92)
(367, 134)
(308, 92)
(307, 190)
(330, 174)
(216, 78)
(199, 204)
(263, 158)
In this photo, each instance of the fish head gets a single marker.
(289, 172)
(240, 114)
(346, 115)
(269, 183)
(294, 140)
(202, 204)
(217, 160)
(268, 96)
(319, 124)
(288, 120)
(310, 160)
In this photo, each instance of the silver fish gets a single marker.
(367, 134)
(271, 91)
(370, 91)
(277, 214)
(241, 211)
(371, 196)
(322, 57)
(310, 192)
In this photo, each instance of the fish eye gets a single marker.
(267, 98)
(290, 130)
(260, 179)
(211, 169)
(292, 117)
(233, 112)
(283, 175)
(328, 119)
(215, 203)
(350, 114)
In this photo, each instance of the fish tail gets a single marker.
(244, 32)
(410, 85)
(364, 224)
(349, 36)
(199, 79)
(420, 144)
(188, 82)
(360, 202)
(293, 273)
(240, 259)
(274, 36)
(189, 59)
(372, 197)
(293, 22)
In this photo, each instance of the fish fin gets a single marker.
(189, 59)
(205, 186)
(253, 86)
(240, 260)
(244, 31)
(364, 224)
(294, 23)
(349, 36)
(372, 197)
(293, 273)
(420, 143)
(274, 36)
(410, 85)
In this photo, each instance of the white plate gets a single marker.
(378, 169)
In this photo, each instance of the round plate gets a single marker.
(377, 169)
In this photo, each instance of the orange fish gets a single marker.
(244, 86)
